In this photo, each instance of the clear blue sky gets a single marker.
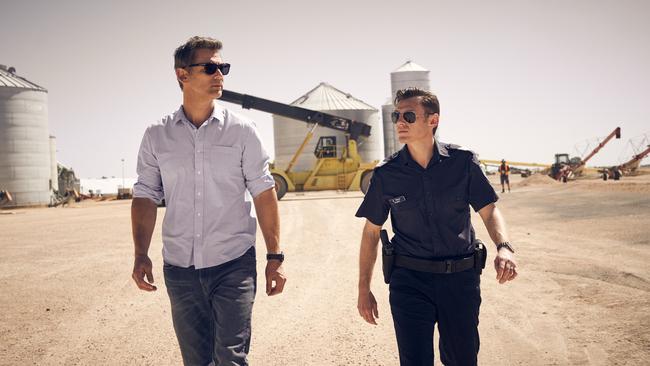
(516, 79)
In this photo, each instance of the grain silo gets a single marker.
(408, 75)
(289, 133)
(25, 166)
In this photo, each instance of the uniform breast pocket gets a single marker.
(405, 209)
(225, 163)
(406, 214)
(455, 201)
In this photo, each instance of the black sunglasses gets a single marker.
(409, 116)
(210, 68)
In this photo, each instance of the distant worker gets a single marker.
(201, 160)
(504, 173)
(434, 261)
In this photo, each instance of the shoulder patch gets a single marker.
(457, 149)
(387, 160)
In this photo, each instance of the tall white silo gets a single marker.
(408, 75)
(389, 128)
(24, 140)
(289, 133)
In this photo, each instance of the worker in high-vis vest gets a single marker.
(504, 172)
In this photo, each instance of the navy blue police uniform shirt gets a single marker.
(429, 208)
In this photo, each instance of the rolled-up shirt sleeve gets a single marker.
(149, 184)
(255, 164)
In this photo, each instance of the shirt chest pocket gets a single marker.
(407, 217)
(402, 207)
(224, 163)
(454, 201)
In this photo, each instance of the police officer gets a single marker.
(428, 187)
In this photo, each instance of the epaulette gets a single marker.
(453, 148)
(387, 159)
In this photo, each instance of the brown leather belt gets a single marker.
(433, 266)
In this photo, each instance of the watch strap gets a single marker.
(275, 256)
(506, 245)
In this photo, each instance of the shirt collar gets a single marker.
(440, 152)
(218, 114)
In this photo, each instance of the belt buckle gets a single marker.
(448, 264)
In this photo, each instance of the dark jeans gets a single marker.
(419, 300)
(211, 310)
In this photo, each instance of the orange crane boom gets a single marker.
(616, 132)
(633, 163)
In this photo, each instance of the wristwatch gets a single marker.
(506, 245)
(276, 256)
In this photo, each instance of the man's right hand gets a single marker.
(367, 306)
(142, 266)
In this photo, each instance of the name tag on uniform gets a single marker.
(397, 200)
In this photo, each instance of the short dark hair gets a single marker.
(184, 54)
(428, 100)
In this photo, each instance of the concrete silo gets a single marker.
(408, 75)
(289, 133)
(25, 165)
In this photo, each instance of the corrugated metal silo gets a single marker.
(289, 133)
(24, 140)
(390, 139)
(408, 75)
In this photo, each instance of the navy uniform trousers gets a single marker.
(419, 300)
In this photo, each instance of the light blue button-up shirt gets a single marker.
(203, 174)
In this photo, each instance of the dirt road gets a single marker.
(582, 297)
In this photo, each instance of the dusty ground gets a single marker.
(582, 297)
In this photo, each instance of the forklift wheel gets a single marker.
(365, 181)
(280, 185)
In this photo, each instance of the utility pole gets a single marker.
(123, 186)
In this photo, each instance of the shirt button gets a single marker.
(198, 235)
(198, 214)
(199, 172)
(198, 193)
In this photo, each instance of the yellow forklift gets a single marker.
(342, 170)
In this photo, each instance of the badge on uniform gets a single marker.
(397, 200)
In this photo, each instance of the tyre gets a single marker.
(280, 185)
(365, 181)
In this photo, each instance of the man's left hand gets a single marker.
(275, 278)
(505, 265)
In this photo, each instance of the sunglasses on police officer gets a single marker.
(409, 116)
(210, 68)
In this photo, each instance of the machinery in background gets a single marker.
(335, 168)
(626, 169)
(516, 167)
(566, 168)
(69, 187)
(5, 198)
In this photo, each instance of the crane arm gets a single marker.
(634, 162)
(351, 127)
(616, 132)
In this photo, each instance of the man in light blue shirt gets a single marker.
(201, 160)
